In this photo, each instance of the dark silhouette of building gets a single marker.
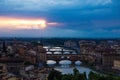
(4, 48)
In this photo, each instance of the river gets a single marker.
(65, 67)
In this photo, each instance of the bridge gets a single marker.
(71, 57)
(58, 54)
(61, 51)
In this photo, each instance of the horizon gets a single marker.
(87, 38)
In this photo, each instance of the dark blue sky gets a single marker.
(77, 18)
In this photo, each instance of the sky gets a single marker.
(60, 18)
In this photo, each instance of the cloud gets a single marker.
(77, 18)
(17, 23)
(44, 5)
(106, 23)
(12, 23)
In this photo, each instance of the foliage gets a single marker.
(56, 75)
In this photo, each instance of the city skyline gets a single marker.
(65, 18)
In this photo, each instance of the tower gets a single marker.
(4, 48)
(41, 53)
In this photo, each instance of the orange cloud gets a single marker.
(18, 23)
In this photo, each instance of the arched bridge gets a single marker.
(71, 57)
(58, 54)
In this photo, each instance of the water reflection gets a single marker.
(57, 53)
(78, 63)
(49, 52)
(70, 70)
(65, 63)
(65, 66)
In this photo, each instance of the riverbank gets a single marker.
(104, 72)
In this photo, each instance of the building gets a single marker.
(116, 64)
(36, 55)
(111, 62)
(70, 44)
(87, 47)
(41, 54)
(104, 57)
(3, 68)
(12, 65)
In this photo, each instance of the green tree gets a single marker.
(75, 71)
(55, 78)
(93, 76)
(55, 74)
(67, 77)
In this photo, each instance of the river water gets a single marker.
(70, 70)
(65, 67)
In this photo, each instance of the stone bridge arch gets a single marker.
(59, 57)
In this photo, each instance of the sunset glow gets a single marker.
(16, 23)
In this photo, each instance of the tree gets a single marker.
(67, 77)
(78, 76)
(93, 76)
(55, 78)
(55, 75)
(75, 71)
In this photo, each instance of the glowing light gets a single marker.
(55, 24)
(22, 23)
(52, 23)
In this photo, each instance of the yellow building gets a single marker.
(117, 64)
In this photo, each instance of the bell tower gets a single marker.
(4, 48)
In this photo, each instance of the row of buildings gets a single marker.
(23, 61)
(105, 55)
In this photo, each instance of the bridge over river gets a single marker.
(59, 53)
